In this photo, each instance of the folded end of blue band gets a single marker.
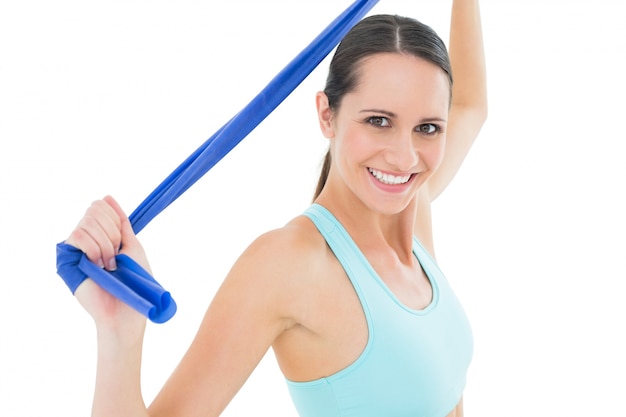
(130, 282)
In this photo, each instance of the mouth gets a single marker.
(389, 179)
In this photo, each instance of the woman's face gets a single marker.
(388, 135)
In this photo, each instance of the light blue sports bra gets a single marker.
(415, 361)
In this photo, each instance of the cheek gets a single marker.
(351, 143)
(433, 153)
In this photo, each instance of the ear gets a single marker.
(324, 115)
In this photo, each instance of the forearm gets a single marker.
(467, 56)
(118, 378)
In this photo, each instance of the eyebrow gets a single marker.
(383, 112)
(393, 115)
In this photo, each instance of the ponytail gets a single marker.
(323, 175)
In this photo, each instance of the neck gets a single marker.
(370, 229)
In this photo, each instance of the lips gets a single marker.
(388, 178)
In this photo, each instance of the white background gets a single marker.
(108, 97)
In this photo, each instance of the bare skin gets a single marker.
(287, 290)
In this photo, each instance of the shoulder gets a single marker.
(283, 266)
(295, 244)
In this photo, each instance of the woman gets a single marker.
(360, 318)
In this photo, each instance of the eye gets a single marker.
(428, 128)
(378, 121)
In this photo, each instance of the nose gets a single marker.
(402, 152)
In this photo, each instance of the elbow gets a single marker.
(483, 112)
(484, 108)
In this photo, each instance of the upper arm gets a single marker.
(247, 314)
(468, 108)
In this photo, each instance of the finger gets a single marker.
(98, 234)
(105, 232)
(130, 244)
(110, 221)
(81, 239)
(96, 242)
(126, 229)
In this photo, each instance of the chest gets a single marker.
(408, 283)
(411, 361)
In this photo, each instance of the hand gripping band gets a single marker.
(130, 282)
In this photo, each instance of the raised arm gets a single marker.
(468, 109)
(120, 329)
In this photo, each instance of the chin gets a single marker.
(391, 207)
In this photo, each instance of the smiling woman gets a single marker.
(348, 294)
(364, 43)
(108, 97)
(386, 127)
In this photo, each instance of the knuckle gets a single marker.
(83, 241)
(88, 221)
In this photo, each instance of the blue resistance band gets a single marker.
(130, 282)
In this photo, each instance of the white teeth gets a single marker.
(389, 179)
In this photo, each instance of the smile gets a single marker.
(389, 179)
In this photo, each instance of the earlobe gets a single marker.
(325, 115)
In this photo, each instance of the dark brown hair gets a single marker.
(373, 35)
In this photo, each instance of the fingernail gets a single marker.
(100, 263)
(112, 265)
